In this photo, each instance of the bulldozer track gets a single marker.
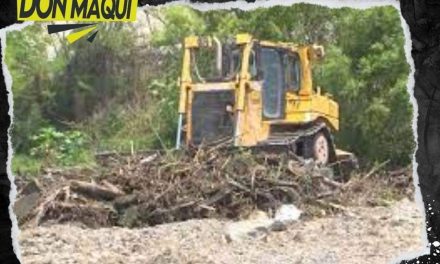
(289, 138)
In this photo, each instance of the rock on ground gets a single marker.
(360, 235)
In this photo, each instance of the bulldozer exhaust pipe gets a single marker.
(219, 55)
(179, 131)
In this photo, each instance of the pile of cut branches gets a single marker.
(154, 188)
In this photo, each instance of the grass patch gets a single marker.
(26, 166)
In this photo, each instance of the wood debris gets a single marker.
(154, 188)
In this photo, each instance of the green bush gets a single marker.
(60, 148)
(26, 166)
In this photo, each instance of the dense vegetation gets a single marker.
(120, 92)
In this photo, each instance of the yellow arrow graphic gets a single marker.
(72, 37)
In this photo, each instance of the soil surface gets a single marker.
(357, 235)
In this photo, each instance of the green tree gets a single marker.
(27, 57)
(366, 71)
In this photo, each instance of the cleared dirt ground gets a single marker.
(358, 235)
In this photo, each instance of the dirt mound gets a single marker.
(154, 188)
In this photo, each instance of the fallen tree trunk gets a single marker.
(95, 191)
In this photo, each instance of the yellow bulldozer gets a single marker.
(254, 93)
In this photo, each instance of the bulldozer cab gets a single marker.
(250, 92)
(280, 72)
